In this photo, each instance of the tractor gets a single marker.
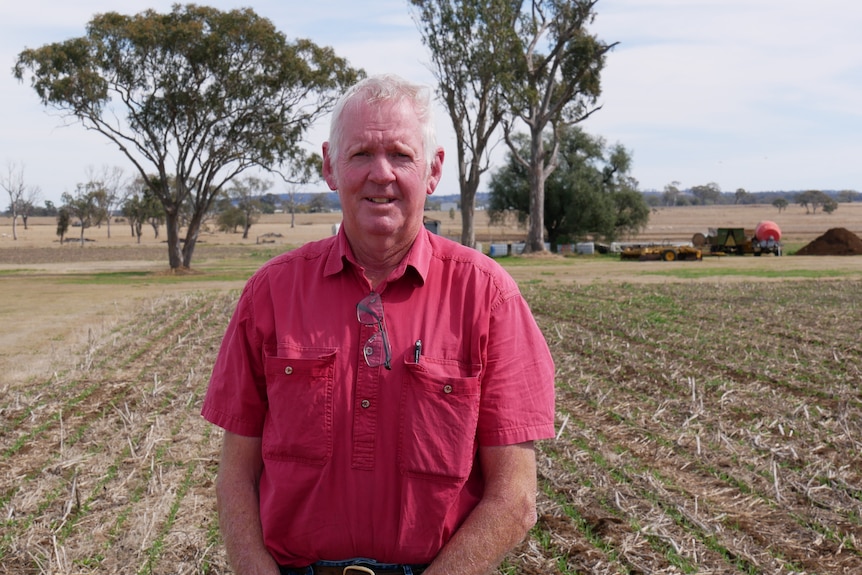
(739, 241)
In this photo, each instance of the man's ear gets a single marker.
(328, 171)
(436, 171)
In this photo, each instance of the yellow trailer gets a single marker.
(667, 253)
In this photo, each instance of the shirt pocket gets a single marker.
(440, 412)
(298, 424)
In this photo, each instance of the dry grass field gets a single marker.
(709, 413)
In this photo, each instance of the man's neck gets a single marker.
(378, 264)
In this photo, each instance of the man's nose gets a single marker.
(381, 169)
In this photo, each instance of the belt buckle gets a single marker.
(357, 569)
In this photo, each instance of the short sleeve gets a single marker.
(518, 384)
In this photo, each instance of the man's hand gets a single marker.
(502, 518)
(239, 506)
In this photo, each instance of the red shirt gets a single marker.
(367, 462)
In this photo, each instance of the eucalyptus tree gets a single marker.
(707, 194)
(848, 196)
(816, 199)
(245, 195)
(110, 181)
(471, 44)
(141, 207)
(557, 84)
(195, 96)
(781, 204)
(85, 206)
(671, 194)
(589, 194)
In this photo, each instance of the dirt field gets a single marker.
(709, 413)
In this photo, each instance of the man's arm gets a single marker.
(502, 518)
(239, 506)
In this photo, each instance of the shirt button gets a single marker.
(365, 404)
(369, 351)
(447, 389)
(288, 370)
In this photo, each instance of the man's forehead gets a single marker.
(389, 123)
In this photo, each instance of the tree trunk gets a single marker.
(191, 241)
(469, 183)
(536, 232)
(468, 212)
(14, 226)
(175, 251)
(468, 222)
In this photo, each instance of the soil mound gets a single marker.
(835, 242)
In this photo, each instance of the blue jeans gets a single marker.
(374, 565)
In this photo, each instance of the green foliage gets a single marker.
(848, 196)
(230, 218)
(556, 83)
(502, 61)
(706, 194)
(473, 47)
(590, 192)
(245, 197)
(140, 207)
(85, 207)
(206, 94)
(319, 203)
(813, 199)
(64, 219)
(268, 203)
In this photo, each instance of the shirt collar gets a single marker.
(418, 258)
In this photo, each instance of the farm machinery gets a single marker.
(765, 239)
(664, 252)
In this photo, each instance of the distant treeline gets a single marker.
(328, 201)
(709, 195)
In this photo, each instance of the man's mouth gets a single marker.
(381, 200)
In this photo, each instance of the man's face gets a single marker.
(381, 173)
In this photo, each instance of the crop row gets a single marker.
(708, 431)
(99, 461)
(700, 434)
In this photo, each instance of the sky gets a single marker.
(762, 95)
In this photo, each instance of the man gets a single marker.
(380, 390)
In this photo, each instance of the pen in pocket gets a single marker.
(417, 350)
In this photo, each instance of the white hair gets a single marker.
(386, 88)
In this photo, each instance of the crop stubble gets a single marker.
(702, 429)
(708, 432)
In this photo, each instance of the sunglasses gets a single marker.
(377, 351)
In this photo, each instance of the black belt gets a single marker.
(356, 569)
